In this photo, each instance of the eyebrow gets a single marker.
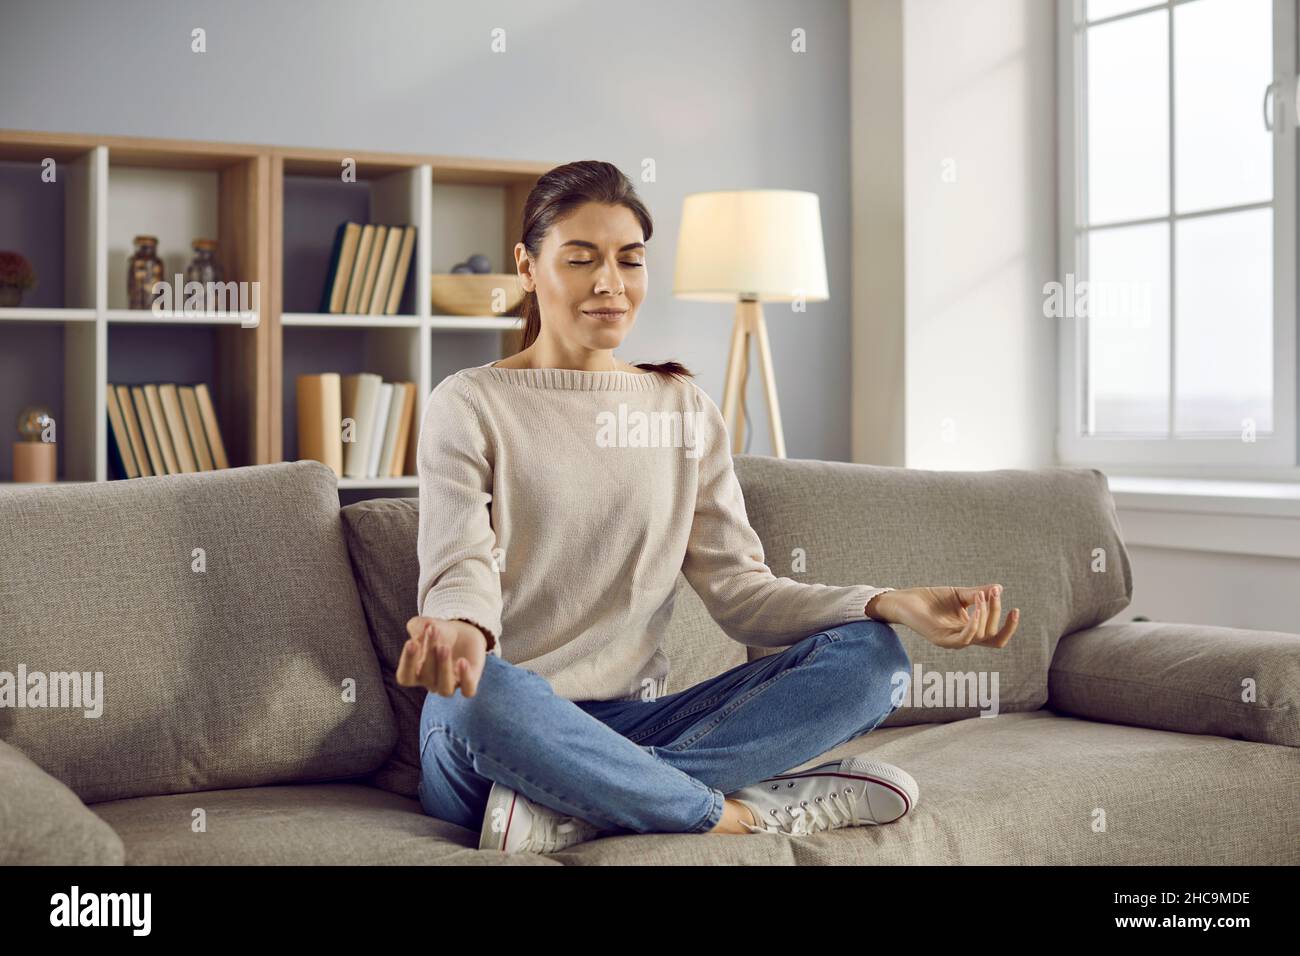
(591, 245)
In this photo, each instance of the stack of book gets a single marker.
(368, 269)
(359, 424)
(163, 429)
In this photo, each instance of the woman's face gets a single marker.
(589, 276)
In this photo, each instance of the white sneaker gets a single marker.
(856, 791)
(514, 824)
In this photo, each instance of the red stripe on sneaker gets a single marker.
(505, 837)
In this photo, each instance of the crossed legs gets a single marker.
(663, 765)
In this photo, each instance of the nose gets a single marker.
(607, 279)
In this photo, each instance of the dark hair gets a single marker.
(558, 192)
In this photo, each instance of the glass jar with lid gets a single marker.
(144, 269)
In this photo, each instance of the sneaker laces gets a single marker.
(824, 812)
(552, 831)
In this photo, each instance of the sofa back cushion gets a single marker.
(219, 615)
(1050, 536)
(382, 537)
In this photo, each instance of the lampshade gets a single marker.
(760, 243)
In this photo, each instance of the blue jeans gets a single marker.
(655, 766)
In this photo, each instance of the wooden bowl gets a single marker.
(471, 293)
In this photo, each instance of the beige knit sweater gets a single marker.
(557, 507)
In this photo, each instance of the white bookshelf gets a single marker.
(405, 481)
(317, 320)
(110, 195)
(453, 219)
(273, 210)
(20, 314)
(165, 317)
(28, 334)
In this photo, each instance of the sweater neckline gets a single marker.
(572, 379)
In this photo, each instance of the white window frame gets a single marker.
(1268, 457)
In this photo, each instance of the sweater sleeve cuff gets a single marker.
(855, 608)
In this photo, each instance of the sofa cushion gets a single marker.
(245, 663)
(1037, 789)
(1050, 536)
(1026, 789)
(381, 536)
(1191, 678)
(43, 823)
(326, 824)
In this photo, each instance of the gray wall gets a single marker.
(710, 91)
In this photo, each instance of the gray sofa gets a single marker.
(245, 629)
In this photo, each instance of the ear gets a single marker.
(524, 267)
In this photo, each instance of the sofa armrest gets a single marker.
(1191, 678)
(42, 822)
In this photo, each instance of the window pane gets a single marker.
(1128, 118)
(1128, 330)
(1224, 347)
(1109, 8)
(1223, 61)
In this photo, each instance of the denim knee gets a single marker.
(453, 729)
(884, 668)
(446, 774)
(492, 714)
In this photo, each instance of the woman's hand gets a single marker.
(941, 615)
(442, 655)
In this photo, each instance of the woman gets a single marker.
(561, 492)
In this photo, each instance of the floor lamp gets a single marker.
(749, 247)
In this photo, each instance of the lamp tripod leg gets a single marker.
(737, 362)
(769, 382)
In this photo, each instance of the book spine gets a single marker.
(332, 272)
